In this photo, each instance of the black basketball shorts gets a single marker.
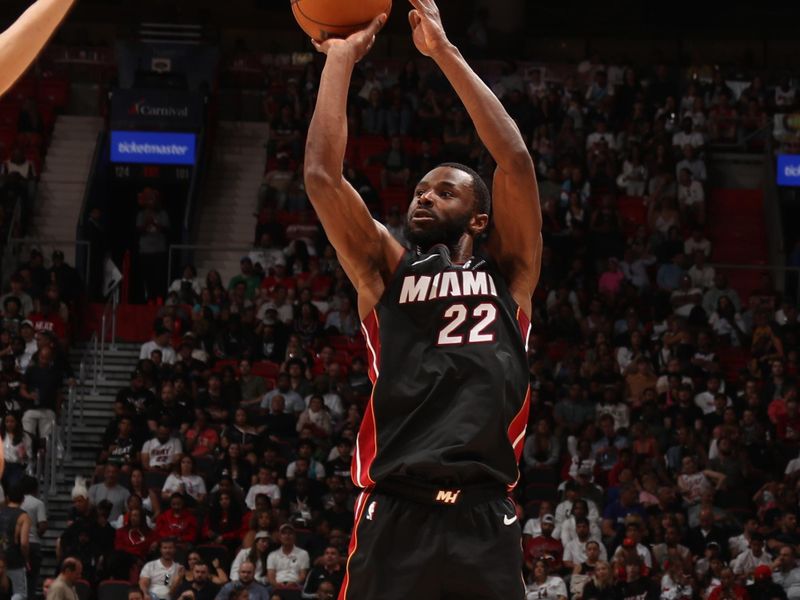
(412, 543)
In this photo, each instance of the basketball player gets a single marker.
(446, 328)
(22, 42)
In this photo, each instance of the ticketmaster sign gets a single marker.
(151, 148)
(789, 169)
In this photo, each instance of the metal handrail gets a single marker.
(754, 267)
(111, 320)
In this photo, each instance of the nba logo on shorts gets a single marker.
(371, 510)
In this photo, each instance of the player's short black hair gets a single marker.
(483, 197)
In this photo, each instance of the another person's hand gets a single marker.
(427, 28)
(359, 43)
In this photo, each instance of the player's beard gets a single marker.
(448, 233)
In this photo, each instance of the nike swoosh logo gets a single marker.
(509, 520)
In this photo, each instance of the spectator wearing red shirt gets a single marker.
(280, 277)
(201, 438)
(135, 538)
(728, 588)
(177, 522)
(545, 545)
(223, 524)
(787, 427)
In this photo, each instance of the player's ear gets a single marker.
(479, 224)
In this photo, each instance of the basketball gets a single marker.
(324, 19)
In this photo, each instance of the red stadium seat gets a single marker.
(266, 369)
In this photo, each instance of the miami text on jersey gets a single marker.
(450, 284)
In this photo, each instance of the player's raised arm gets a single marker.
(22, 42)
(515, 240)
(365, 248)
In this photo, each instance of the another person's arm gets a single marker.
(22, 42)
(366, 249)
(515, 240)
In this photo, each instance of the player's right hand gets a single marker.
(426, 27)
(358, 43)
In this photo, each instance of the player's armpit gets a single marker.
(515, 239)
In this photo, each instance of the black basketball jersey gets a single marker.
(447, 357)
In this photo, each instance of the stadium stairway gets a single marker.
(230, 196)
(98, 409)
(63, 182)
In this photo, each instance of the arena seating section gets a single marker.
(607, 419)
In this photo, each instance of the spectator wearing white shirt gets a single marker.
(568, 530)
(690, 161)
(266, 254)
(697, 241)
(601, 132)
(544, 586)
(316, 418)
(741, 542)
(163, 451)
(785, 94)
(185, 481)
(188, 287)
(257, 555)
(157, 575)
(263, 485)
(634, 266)
(533, 526)
(160, 341)
(287, 566)
(705, 400)
(575, 549)
(633, 178)
(686, 298)
(744, 564)
(686, 136)
(691, 198)
(701, 274)
(787, 574)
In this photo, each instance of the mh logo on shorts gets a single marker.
(447, 496)
(371, 511)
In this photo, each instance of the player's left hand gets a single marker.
(427, 28)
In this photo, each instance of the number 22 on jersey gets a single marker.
(465, 326)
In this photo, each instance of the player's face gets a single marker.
(442, 209)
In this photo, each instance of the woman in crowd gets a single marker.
(185, 481)
(17, 448)
(542, 585)
(223, 524)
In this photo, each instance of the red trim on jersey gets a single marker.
(361, 505)
(367, 439)
(516, 431)
(371, 328)
(524, 326)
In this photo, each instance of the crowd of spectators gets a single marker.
(654, 466)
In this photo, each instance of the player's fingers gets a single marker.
(418, 4)
(317, 45)
(377, 24)
(414, 18)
